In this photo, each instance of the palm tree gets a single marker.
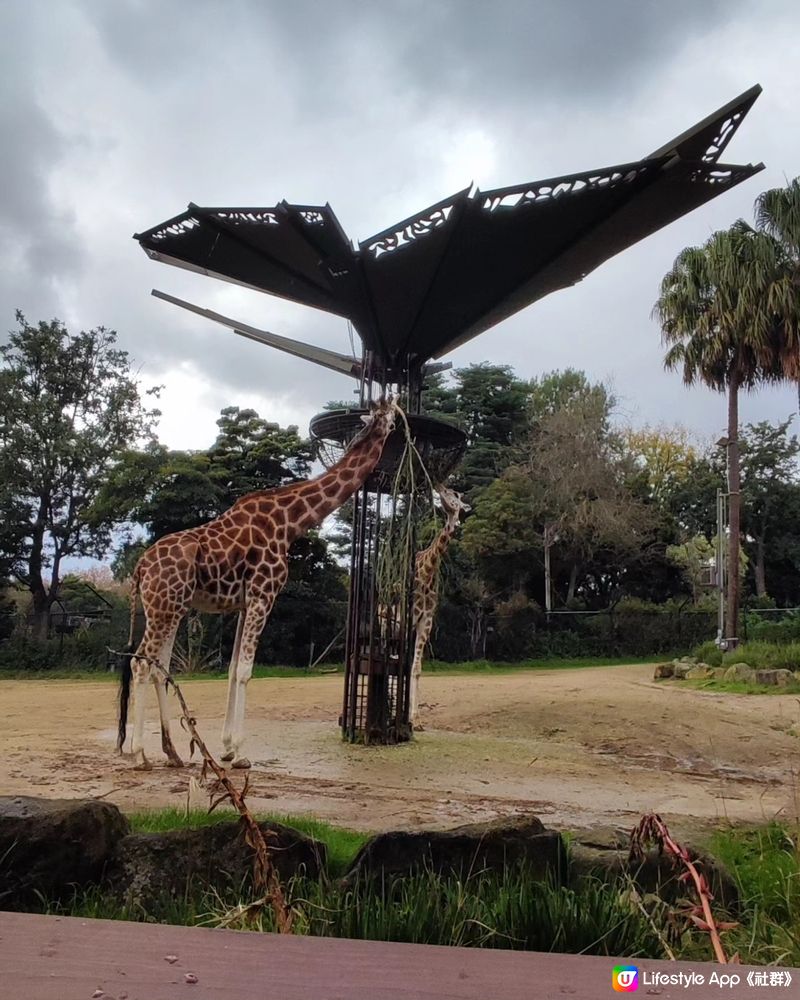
(778, 216)
(720, 329)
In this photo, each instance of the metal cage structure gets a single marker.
(379, 635)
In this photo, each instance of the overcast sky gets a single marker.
(116, 113)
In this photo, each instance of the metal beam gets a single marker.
(318, 355)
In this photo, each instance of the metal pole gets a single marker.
(720, 554)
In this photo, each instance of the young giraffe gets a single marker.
(237, 562)
(426, 587)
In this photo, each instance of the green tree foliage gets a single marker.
(490, 406)
(778, 218)
(252, 454)
(571, 478)
(770, 484)
(717, 310)
(70, 407)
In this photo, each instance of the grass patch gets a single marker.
(740, 687)
(510, 911)
(766, 865)
(297, 673)
(342, 844)
(500, 667)
(758, 654)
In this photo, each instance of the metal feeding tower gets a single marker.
(413, 292)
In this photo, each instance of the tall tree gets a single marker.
(769, 476)
(778, 216)
(664, 454)
(69, 406)
(251, 453)
(719, 328)
(490, 405)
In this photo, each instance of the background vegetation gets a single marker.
(628, 513)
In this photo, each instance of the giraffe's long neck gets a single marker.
(438, 546)
(319, 497)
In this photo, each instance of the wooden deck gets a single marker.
(67, 958)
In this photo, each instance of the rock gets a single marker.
(593, 855)
(149, 868)
(700, 672)
(52, 846)
(741, 672)
(493, 845)
(773, 678)
(718, 673)
(796, 676)
(688, 659)
(663, 670)
(681, 670)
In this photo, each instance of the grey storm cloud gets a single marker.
(115, 115)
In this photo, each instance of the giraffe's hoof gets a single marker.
(228, 755)
(145, 765)
(175, 761)
(242, 762)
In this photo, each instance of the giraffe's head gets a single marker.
(378, 423)
(452, 502)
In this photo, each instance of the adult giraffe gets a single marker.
(237, 562)
(426, 587)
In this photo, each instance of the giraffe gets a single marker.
(236, 562)
(426, 587)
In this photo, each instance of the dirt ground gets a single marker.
(579, 748)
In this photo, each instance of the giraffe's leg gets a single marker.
(258, 609)
(160, 683)
(156, 636)
(141, 677)
(227, 727)
(420, 639)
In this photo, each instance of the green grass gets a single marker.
(758, 654)
(500, 667)
(739, 687)
(486, 910)
(766, 865)
(342, 844)
(297, 673)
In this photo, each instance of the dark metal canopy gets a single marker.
(439, 278)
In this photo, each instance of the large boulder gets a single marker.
(773, 678)
(604, 855)
(681, 670)
(741, 672)
(494, 845)
(699, 672)
(53, 846)
(151, 868)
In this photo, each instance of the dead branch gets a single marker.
(653, 829)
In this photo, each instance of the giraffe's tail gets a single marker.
(127, 669)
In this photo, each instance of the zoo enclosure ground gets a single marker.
(576, 747)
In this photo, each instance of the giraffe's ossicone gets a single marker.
(236, 562)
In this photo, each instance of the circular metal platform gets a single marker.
(440, 445)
